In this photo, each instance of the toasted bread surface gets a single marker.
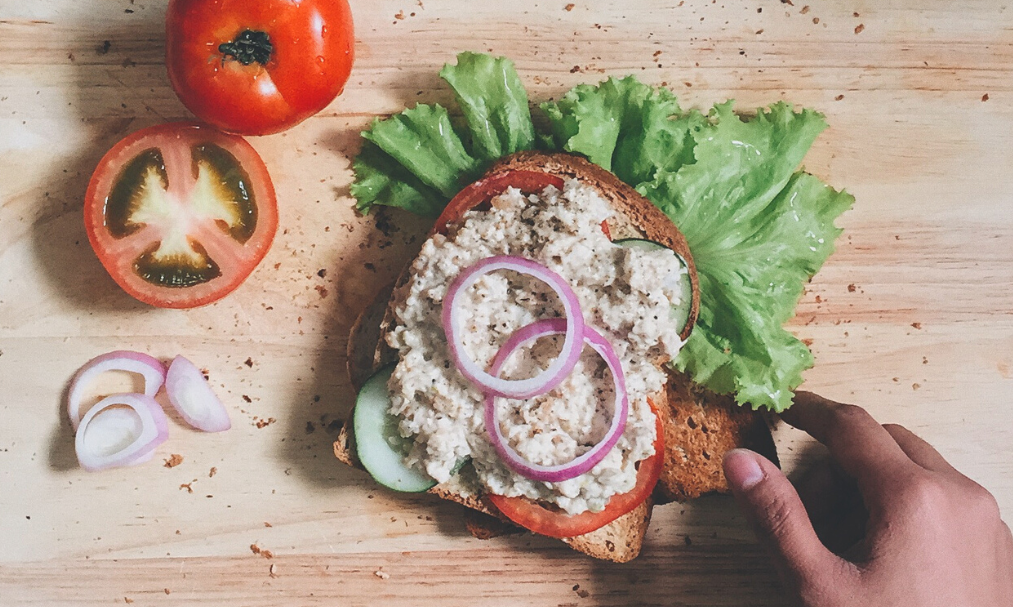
(700, 427)
(621, 540)
(485, 527)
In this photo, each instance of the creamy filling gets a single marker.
(625, 293)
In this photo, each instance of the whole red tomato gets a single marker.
(256, 67)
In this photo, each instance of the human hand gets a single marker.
(888, 522)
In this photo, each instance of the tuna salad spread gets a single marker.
(625, 293)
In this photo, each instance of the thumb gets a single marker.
(771, 504)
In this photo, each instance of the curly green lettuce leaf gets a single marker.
(424, 142)
(740, 166)
(625, 126)
(757, 229)
(494, 104)
(748, 290)
(415, 160)
(379, 179)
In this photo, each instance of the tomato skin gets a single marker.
(553, 523)
(313, 51)
(118, 254)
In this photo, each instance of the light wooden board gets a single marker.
(912, 317)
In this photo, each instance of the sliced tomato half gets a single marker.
(555, 523)
(180, 214)
(485, 189)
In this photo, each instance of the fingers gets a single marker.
(918, 450)
(865, 450)
(772, 506)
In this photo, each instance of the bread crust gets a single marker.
(727, 425)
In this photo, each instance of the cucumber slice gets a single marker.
(680, 313)
(377, 442)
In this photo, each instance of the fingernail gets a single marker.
(742, 469)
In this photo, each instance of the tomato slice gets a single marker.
(180, 214)
(258, 67)
(555, 523)
(490, 186)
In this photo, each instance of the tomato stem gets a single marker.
(249, 46)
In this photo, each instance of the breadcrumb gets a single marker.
(267, 554)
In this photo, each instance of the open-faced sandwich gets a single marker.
(523, 353)
(522, 363)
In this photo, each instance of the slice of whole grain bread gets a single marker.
(699, 427)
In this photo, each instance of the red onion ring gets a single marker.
(572, 343)
(100, 436)
(120, 360)
(190, 394)
(583, 463)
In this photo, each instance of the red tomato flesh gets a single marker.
(256, 67)
(556, 523)
(180, 214)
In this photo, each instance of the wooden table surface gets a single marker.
(911, 317)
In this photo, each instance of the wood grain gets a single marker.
(912, 316)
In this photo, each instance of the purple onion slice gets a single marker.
(556, 371)
(151, 369)
(120, 430)
(586, 461)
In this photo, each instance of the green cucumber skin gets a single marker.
(375, 429)
(642, 243)
(680, 313)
